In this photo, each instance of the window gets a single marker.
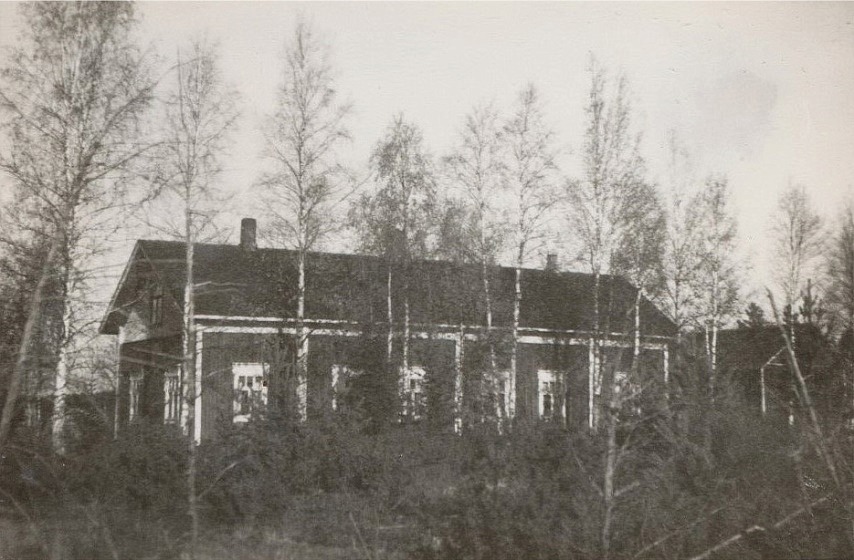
(341, 376)
(171, 397)
(250, 389)
(133, 392)
(547, 393)
(156, 305)
(500, 394)
(412, 393)
(626, 390)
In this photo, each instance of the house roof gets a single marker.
(750, 348)
(236, 282)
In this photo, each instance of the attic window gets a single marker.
(250, 390)
(156, 305)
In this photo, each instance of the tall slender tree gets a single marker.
(531, 171)
(681, 253)
(395, 220)
(639, 254)
(303, 136)
(200, 112)
(797, 231)
(478, 170)
(717, 287)
(73, 95)
(600, 203)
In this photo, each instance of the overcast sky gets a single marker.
(761, 92)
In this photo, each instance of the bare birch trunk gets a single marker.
(637, 342)
(458, 380)
(593, 369)
(608, 487)
(189, 353)
(493, 369)
(404, 343)
(406, 333)
(302, 339)
(60, 390)
(390, 315)
(514, 351)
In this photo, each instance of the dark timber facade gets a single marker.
(245, 329)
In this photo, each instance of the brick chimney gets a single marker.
(551, 262)
(248, 227)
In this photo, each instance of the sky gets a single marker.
(759, 92)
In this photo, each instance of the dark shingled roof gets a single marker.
(261, 283)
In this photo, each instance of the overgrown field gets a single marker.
(331, 489)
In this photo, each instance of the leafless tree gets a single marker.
(599, 204)
(302, 137)
(200, 112)
(797, 230)
(395, 220)
(478, 170)
(531, 169)
(639, 256)
(681, 255)
(717, 288)
(73, 95)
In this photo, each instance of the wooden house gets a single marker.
(245, 329)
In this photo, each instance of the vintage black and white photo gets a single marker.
(428, 280)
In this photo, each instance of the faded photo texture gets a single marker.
(426, 280)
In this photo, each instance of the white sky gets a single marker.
(761, 92)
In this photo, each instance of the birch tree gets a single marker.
(395, 220)
(639, 254)
(599, 203)
(200, 112)
(797, 231)
(717, 285)
(72, 97)
(681, 252)
(478, 170)
(531, 169)
(302, 139)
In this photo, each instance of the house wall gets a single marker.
(437, 354)
(150, 359)
(221, 349)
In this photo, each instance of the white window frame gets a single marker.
(249, 400)
(341, 374)
(548, 385)
(172, 397)
(412, 392)
(134, 390)
(501, 391)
